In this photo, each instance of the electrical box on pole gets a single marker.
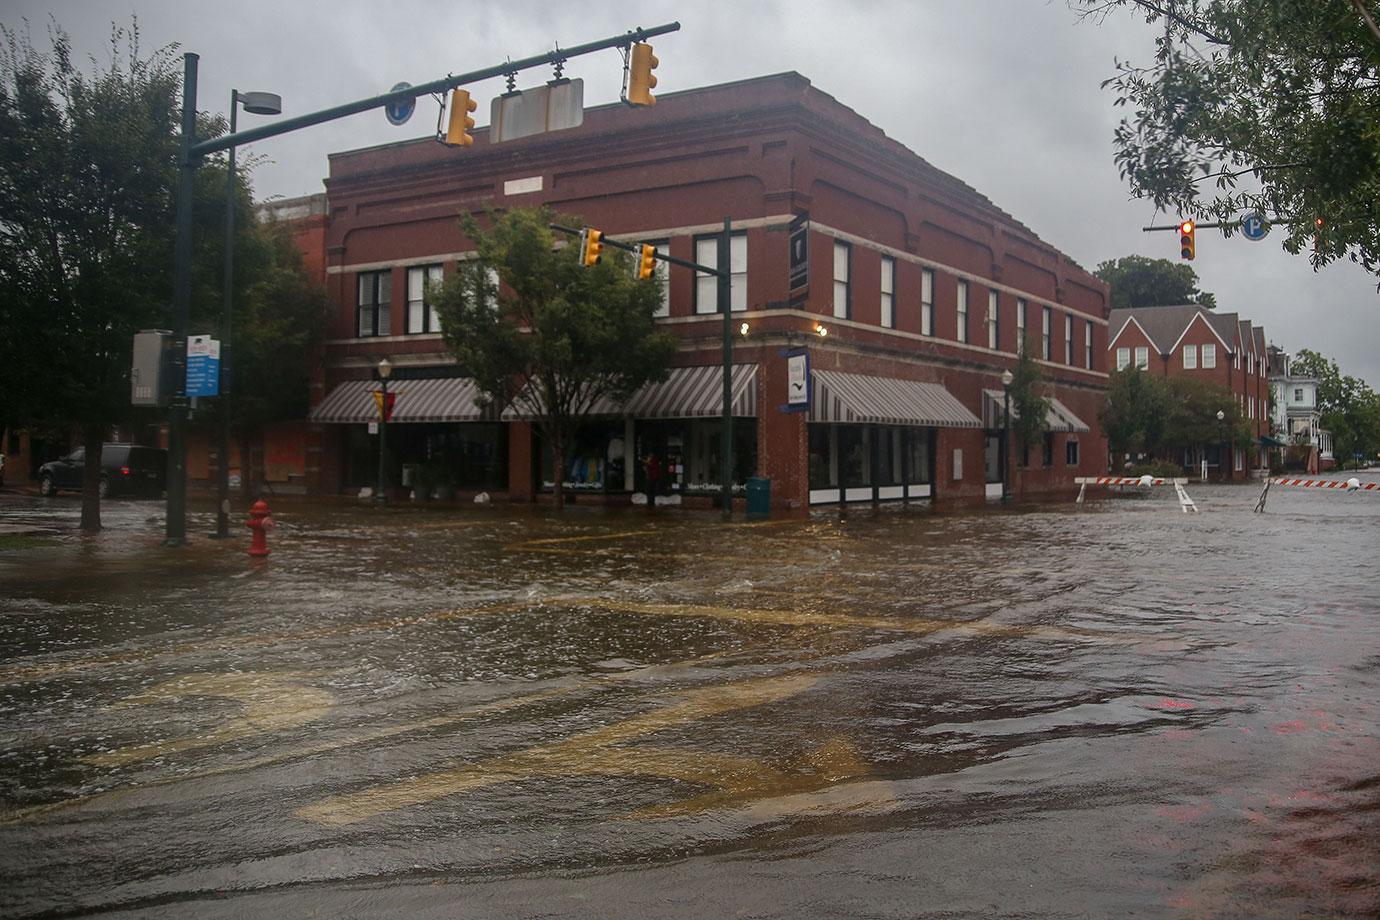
(151, 374)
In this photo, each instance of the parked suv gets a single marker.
(126, 469)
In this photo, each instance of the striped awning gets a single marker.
(840, 397)
(689, 392)
(441, 399)
(1058, 418)
(697, 392)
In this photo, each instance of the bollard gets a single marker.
(261, 523)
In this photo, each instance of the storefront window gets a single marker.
(855, 454)
(594, 462)
(824, 457)
(888, 456)
(700, 471)
(918, 443)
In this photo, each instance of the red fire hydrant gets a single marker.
(259, 522)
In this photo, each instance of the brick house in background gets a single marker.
(923, 285)
(1192, 341)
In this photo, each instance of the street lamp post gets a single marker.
(385, 371)
(258, 104)
(1006, 378)
(1222, 457)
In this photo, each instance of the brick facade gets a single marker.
(759, 152)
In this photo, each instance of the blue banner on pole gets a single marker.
(203, 366)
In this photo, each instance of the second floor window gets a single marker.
(375, 293)
(1209, 356)
(1087, 343)
(1190, 357)
(888, 292)
(707, 286)
(1143, 357)
(1045, 346)
(421, 316)
(962, 335)
(1123, 358)
(1068, 338)
(1020, 325)
(927, 302)
(993, 329)
(843, 266)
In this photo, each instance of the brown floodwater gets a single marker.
(487, 711)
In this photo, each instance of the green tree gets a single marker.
(1138, 281)
(1029, 408)
(1348, 407)
(1136, 411)
(86, 168)
(1248, 106)
(87, 180)
(557, 338)
(1191, 417)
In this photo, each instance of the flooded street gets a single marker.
(1108, 710)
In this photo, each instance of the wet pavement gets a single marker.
(494, 711)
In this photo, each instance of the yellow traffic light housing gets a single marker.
(1186, 243)
(641, 80)
(591, 246)
(460, 124)
(646, 261)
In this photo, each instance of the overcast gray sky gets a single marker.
(1004, 94)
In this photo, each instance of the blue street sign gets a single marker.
(1253, 227)
(203, 366)
(399, 112)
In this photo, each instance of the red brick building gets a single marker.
(922, 284)
(1192, 341)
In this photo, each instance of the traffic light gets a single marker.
(458, 129)
(1186, 244)
(641, 80)
(591, 246)
(646, 261)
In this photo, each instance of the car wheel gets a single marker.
(103, 490)
(45, 485)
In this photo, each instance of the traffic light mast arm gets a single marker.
(629, 247)
(444, 85)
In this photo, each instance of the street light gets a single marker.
(1006, 378)
(1222, 434)
(385, 371)
(257, 104)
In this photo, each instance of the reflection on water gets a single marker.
(1108, 710)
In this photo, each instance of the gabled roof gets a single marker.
(1164, 326)
(1203, 318)
(1247, 339)
(1258, 336)
(1225, 325)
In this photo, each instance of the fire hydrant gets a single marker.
(261, 523)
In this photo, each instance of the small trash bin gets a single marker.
(759, 495)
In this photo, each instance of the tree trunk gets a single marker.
(92, 438)
(558, 463)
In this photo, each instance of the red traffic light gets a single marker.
(1186, 227)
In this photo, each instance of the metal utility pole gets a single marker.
(192, 153)
(725, 285)
(175, 531)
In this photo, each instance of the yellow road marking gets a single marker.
(591, 752)
(326, 747)
(775, 617)
(272, 702)
(584, 538)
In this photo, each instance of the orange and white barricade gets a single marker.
(1348, 485)
(1146, 482)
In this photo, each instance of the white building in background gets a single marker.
(1295, 416)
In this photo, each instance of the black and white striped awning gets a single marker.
(1058, 418)
(689, 392)
(840, 397)
(440, 399)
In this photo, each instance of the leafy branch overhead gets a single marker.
(1248, 106)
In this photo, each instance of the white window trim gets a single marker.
(1123, 358)
(927, 301)
(961, 312)
(888, 296)
(1209, 356)
(1190, 357)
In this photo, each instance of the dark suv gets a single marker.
(126, 469)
